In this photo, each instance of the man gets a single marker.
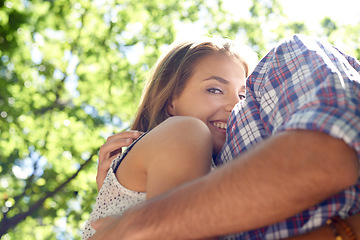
(302, 112)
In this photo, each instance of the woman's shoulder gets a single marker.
(178, 124)
(178, 129)
(174, 152)
(175, 134)
(176, 148)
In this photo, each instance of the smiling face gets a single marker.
(217, 83)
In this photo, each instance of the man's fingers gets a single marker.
(124, 135)
(115, 152)
(108, 148)
(96, 224)
(117, 141)
(112, 148)
(102, 227)
(102, 222)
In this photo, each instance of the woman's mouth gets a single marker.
(221, 125)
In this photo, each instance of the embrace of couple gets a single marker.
(225, 147)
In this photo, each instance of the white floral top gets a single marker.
(113, 198)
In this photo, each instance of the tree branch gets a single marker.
(7, 223)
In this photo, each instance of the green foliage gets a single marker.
(71, 73)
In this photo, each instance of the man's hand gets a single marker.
(101, 226)
(115, 227)
(110, 149)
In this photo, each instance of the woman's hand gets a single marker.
(110, 150)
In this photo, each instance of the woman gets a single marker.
(186, 105)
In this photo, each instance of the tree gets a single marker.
(71, 73)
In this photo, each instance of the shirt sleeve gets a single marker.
(311, 85)
(302, 83)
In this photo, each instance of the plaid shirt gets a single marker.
(302, 83)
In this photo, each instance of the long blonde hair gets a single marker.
(173, 69)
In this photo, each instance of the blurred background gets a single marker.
(72, 72)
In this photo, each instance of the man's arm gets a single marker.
(280, 177)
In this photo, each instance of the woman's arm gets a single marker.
(178, 150)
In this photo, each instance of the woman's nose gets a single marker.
(232, 101)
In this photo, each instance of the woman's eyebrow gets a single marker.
(220, 79)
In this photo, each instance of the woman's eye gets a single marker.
(242, 97)
(214, 90)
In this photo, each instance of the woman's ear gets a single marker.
(170, 108)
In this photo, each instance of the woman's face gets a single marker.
(216, 85)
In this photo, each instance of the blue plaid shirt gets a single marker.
(302, 83)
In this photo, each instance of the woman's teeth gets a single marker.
(221, 125)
